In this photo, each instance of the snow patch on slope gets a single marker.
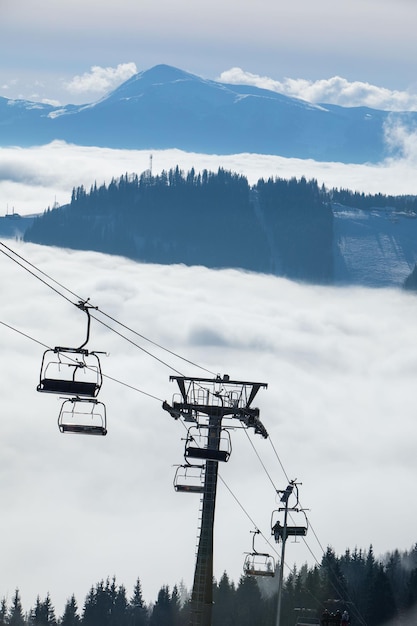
(374, 248)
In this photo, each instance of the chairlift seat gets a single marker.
(260, 572)
(68, 387)
(85, 416)
(189, 488)
(82, 429)
(70, 371)
(259, 564)
(207, 453)
(296, 531)
(291, 531)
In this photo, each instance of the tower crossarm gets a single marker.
(220, 395)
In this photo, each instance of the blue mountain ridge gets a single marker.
(165, 107)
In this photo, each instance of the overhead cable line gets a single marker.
(279, 460)
(120, 382)
(144, 393)
(155, 343)
(32, 273)
(24, 334)
(34, 267)
(260, 460)
(25, 264)
(136, 345)
(27, 336)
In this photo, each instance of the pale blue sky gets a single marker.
(45, 44)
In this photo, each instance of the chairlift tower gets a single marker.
(282, 532)
(211, 406)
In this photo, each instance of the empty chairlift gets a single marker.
(197, 445)
(258, 563)
(189, 478)
(84, 416)
(71, 371)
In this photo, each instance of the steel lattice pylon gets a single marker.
(208, 404)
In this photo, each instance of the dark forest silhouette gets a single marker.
(372, 590)
(215, 219)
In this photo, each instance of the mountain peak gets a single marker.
(166, 73)
(165, 107)
(158, 75)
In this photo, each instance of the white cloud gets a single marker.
(335, 90)
(106, 506)
(402, 140)
(33, 179)
(100, 80)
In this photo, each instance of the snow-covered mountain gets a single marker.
(375, 248)
(165, 107)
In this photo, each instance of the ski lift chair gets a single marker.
(82, 416)
(258, 563)
(70, 371)
(196, 445)
(189, 478)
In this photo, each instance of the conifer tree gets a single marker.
(70, 616)
(120, 612)
(175, 607)
(3, 612)
(161, 613)
(16, 617)
(224, 602)
(137, 607)
(249, 609)
(43, 614)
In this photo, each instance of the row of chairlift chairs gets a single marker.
(189, 478)
(75, 375)
(76, 372)
(263, 564)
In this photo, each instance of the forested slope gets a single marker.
(291, 228)
(372, 590)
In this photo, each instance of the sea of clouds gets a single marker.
(33, 179)
(340, 365)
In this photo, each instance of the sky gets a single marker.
(340, 365)
(349, 52)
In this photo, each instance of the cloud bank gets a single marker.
(33, 179)
(334, 90)
(339, 409)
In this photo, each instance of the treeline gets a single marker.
(406, 203)
(210, 218)
(372, 590)
(195, 219)
(215, 219)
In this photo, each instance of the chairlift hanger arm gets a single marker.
(84, 306)
(254, 533)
